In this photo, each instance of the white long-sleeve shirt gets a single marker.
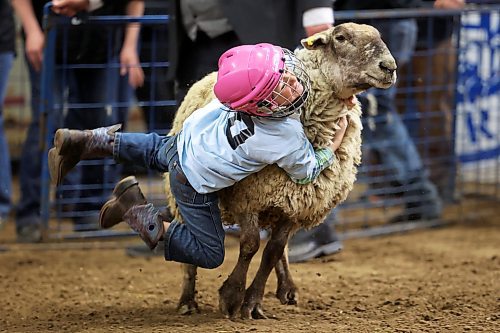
(218, 148)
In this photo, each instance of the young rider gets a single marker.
(252, 123)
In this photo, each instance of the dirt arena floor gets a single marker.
(436, 280)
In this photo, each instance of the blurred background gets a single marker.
(447, 99)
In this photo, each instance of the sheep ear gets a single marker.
(317, 40)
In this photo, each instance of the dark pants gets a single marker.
(200, 57)
(390, 140)
(199, 240)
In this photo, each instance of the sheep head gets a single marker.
(354, 57)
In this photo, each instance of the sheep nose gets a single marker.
(388, 66)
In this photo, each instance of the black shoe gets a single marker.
(422, 202)
(412, 217)
(31, 233)
(143, 251)
(320, 241)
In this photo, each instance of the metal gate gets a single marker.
(71, 210)
(447, 97)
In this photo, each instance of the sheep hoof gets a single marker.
(253, 312)
(287, 295)
(229, 308)
(258, 312)
(231, 296)
(188, 308)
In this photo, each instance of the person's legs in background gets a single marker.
(199, 58)
(389, 138)
(157, 87)
(28, 221)
(91, 183)
(6, 60)
(401, 165)
(320, 241)
(434, 71)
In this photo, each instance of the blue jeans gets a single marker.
(389, 138)
(28, 208)
(200, 239)
(6, 59)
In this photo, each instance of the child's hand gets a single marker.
(339, 135)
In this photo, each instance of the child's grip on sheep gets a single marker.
(342, 62)
(285, 198)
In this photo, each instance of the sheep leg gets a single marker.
(252, 305)
(232, 292)
(187, 303)
(286, 291)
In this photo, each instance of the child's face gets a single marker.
(288, 90)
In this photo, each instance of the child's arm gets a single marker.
(325, 156)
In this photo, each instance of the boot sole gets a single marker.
(119, 189)
(54, 170)
(61, 141)
(61, 144)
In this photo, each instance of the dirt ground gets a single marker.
(437, 280)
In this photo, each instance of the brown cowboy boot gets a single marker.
(148, 222)
(72, 146)
(126, 194)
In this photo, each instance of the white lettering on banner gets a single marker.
(478, 92)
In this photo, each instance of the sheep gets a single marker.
(342, 62)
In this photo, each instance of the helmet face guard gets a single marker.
(262, 80)
(291, 92)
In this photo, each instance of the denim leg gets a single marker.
(200, 239)
(28, 208)
(390, 137)
(144, 150)
(395, 148)
(6, 59)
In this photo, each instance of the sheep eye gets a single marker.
(340, 38)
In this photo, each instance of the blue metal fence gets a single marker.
(71, 210)
(447, 96)
(456, 134)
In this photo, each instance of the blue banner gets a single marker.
(478, 88)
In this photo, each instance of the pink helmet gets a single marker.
(249, 74)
